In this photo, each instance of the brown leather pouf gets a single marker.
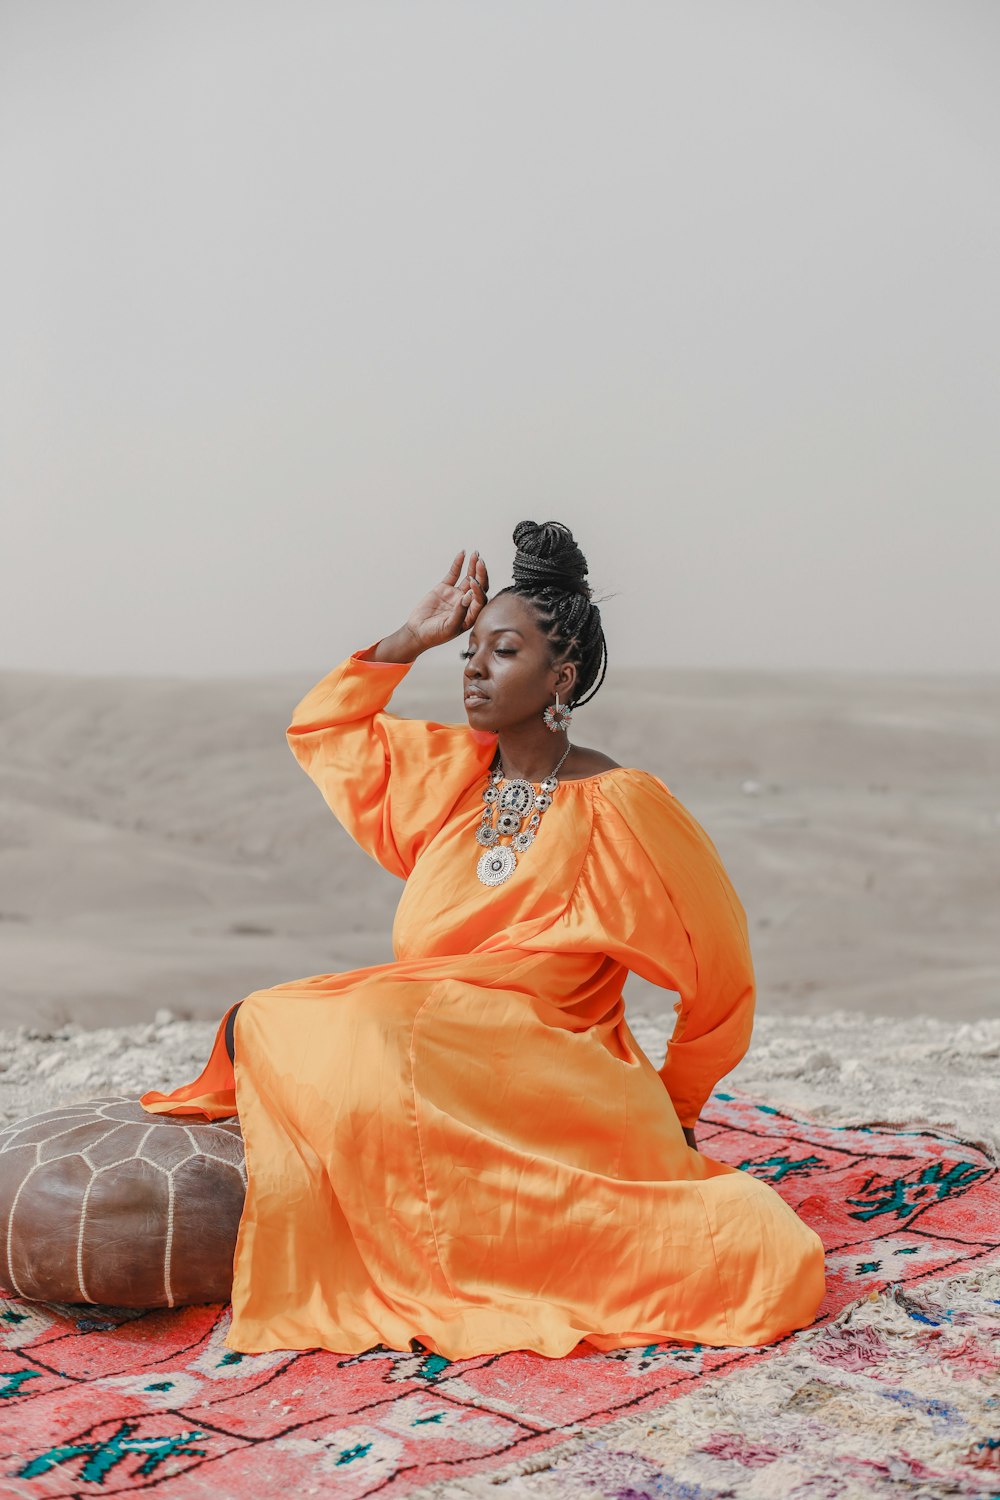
(102, 1202)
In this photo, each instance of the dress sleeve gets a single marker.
(390, 781)
(653, 880)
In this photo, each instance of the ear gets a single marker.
(565, 681)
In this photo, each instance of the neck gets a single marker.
(529, 753)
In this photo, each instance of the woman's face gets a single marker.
(509, 675)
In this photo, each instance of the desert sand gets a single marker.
(161, 851)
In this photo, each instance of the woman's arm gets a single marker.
(373, 768)
(398, 649)
(654, 895)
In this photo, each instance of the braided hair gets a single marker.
(551, 572)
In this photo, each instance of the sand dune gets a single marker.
(160, 849)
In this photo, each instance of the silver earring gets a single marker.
(557, 716)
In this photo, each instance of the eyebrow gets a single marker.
(503, 630)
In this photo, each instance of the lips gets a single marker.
(473, 697)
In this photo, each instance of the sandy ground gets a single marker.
(161, 850)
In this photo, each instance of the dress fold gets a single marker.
(466, 1146)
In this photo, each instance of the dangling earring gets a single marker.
(557, 716)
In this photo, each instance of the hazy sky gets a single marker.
(298, 297)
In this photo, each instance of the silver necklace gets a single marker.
(508, 803)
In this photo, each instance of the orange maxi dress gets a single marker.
(466, 1146)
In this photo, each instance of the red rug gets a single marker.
(96, 1401)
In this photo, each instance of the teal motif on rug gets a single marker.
(102, 1400)
(904, 1195)
(101, 1457)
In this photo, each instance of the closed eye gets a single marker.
(500, 651)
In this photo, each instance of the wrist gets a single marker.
(402, 647)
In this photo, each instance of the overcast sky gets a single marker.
(299, 297)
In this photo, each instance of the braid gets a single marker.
(551, 572)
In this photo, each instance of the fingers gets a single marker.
(470, 587)
(453, 572)
(475, 573)
(477, 578)
(456, 616)
(475, 593)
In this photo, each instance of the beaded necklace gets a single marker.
(507, 805)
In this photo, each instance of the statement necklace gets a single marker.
(508, 803)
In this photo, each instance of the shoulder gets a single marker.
(636, 804)
(631, 783)
(637, 799)
(582, 763)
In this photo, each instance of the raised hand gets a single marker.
(450, 608)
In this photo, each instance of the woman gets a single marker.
(466, 1147)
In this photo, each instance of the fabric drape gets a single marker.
(466, 1146)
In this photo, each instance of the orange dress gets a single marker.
(467, 1146)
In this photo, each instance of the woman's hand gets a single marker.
(452, 605)
(450, 608)
(444, 614)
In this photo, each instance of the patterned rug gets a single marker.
(897, 1397)
(99, 1401)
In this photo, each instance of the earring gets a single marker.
(558, 716)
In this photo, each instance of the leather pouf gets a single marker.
(102, 1202)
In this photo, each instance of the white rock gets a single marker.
(817, 1061)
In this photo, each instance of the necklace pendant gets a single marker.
(517, 796)
(496, 865)
(511, 802)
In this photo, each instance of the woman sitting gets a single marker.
(466, 1146)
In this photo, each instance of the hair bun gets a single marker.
(548, 557)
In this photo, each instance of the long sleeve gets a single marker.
(390, 781)
(655, 888)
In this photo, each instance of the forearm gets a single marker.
(711, 1036)
(400, 647)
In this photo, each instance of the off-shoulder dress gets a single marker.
(466, 1146)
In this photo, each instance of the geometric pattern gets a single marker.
(101, 1400)
(87, 1155)
(897, 1397)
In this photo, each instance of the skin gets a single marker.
(509, 659)
(511, 662)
